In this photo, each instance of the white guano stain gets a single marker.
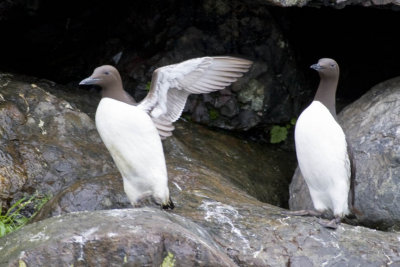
(177, 186)
(41, 126)
(39, 236)
(255, 255)
(81, 239)
(222, 213)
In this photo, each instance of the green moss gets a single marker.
(213, 114)
(168, 261)
(278, 134)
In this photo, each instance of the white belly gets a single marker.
(133, 142)
(321, 150)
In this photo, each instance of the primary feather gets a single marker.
(171, 85)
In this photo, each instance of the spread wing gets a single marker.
(171, 85)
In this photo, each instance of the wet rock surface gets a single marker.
(258, 169)
(372, 127)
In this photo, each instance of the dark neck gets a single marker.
(326, 93)
(118, 93)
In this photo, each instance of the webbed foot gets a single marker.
(302, 213)
(332, 224)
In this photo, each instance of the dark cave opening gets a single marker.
(37, 39)
(362, 40)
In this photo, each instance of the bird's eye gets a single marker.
(332, 65)
(106, 73)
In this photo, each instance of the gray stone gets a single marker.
(343, 3)
(372, 126)
(46, 144)
(98, 193)
(136, 237)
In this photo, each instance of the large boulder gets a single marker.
(98, 193)
(372, 126)
(209, 229)
(46, 144)
(136, 237)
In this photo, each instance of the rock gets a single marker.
(208, 229)
(46, 144)
(343, 3)
(136, 237)
(259, 170)
(372, 127)
(98, 193)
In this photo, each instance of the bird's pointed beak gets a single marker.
(316, 67)
(89, 81)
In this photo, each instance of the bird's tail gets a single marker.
(168, 205)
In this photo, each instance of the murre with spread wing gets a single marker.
(131, 131)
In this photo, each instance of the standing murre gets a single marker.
(131, 131)
(324, 156)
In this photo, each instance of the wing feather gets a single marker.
(171, 85)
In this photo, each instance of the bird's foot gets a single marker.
(302, 213)
(170, 205)
(332, 224)
(148, 200)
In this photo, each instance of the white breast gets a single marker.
(323, 160)
(133, 142)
